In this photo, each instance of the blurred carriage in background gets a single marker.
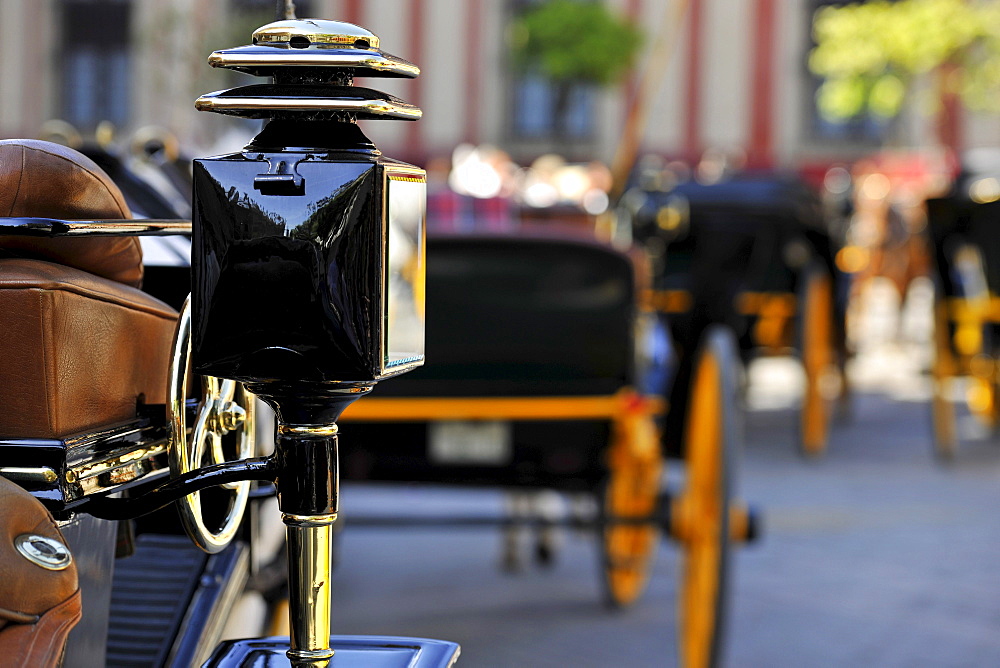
(548, 374)
(962, 231)
(754, 253)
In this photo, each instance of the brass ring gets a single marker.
(309, 654)
(308, 429)
(308, 520)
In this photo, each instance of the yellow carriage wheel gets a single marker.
(817, 353)
(700, 518)
(631, 493)
(943, 369)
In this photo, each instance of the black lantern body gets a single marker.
(316, 252)
(308, 272)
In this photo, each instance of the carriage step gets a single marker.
(170, 601)
(150, 596)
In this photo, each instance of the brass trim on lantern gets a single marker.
(407, 175)
(308, 429)
(235, 59)
(217, 103)
(308, 520)
(317, 31)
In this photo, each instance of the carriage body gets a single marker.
(753, 253)
(84, 373)
(547, 372)
(530, 322)
(962, 233)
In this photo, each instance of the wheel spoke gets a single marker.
(943, 368)
(817, 360)
(204, 445)
(630, 493)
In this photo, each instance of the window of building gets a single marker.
(542, 109)
(95, 61)
(863, 128)
(268, 9)
(540, 113)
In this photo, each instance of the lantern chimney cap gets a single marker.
(316, 31)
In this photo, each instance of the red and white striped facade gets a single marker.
(736, 79)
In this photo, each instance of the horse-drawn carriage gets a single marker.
(547, 374)
(753, 253)
(962, 232)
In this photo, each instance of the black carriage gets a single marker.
(544, 373)
(85, 369)
(104, 424)
(962, 230)
(753, 253)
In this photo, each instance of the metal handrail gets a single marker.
(54, 227)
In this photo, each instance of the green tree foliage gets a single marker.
(570, 41)
(870, 53)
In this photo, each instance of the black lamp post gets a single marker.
(308, 270)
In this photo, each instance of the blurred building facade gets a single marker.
(736, 80)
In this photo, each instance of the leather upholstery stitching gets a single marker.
(48, 361)
(20, 179)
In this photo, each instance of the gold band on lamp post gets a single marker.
(309, 571)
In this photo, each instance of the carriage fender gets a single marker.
(39, 591)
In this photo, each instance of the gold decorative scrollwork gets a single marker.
(225, 408)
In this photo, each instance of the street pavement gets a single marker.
(874, 555)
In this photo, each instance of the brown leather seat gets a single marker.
(40, 179)
(81, 344)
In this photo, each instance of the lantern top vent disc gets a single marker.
(301, 33)
(313, 63)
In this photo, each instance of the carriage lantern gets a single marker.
(308, 272)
